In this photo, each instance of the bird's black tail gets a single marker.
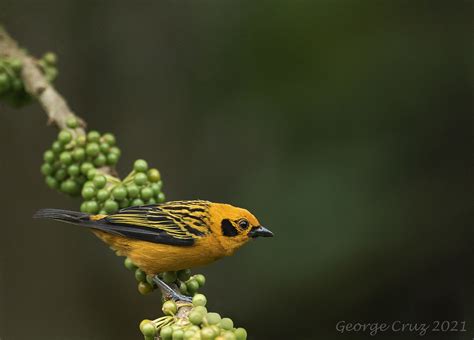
(68, 216)
(143, 233)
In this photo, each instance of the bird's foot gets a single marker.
(169, 292)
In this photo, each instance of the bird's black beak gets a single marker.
(260, 231)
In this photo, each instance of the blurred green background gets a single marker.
(345, 126)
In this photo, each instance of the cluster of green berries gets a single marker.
(106, 194)
(199, 324)
(72, 166)
(188, 284)
(12, 89)
(73, 159)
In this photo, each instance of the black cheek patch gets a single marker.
(228, 229)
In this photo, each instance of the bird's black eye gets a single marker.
(244, 224)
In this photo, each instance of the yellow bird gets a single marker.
(170, 236)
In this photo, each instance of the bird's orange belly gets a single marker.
(156, 258)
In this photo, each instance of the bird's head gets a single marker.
(235, 226)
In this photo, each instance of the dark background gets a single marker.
(345, 126)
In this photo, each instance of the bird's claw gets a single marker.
(170, 292)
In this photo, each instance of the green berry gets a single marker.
(89, 184)
(50, 58)
(4, 83)
(69, 187)
(57, 147)
(124, 204)
(111, 206)
(91, 174)
(60, 175)
(119, 193)
(169, 307)
(102, 195)
(137, 202)
(212, 318)
(85, 167)
(178, 334)
(140, 165)
(193, 287)
(51, 182)
(151, 201)
(166, 333)
(161, 197)
(50, 73)
(156, 187)
(216, 329)
(140, 275)
(16, 65)
(112, 158)
(184, 275)
(109, 138)
(183, 288)
(65, 158)
(64, 136)
(201, 279)
(195, 317)
(46, 169)
(227, 335)
(194, 328)
(71, 122)
(115, 150)
(88, 193)
(73, 170)
(79, 154)
(99, 181)
(226, 324)
(92, 207)
(240, 333)
(200, 309)
(142, 323)
(154, 175)
(104, 147)
(149, 279)
(129, 264)
(207, 333)
(144, 288)
(48, 156)
(93, 136)
(100, 160)
(92, 149)
(169, 277)
(132, 191)
(84, 207)
(17, 85)
(148, 329)
(199, 299)
(146, 193)
(140, 179)
(81, 140)
(188, 334)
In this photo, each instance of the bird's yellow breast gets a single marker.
(154, 258)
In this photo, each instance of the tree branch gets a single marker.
(38, 87)
(36, 84)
